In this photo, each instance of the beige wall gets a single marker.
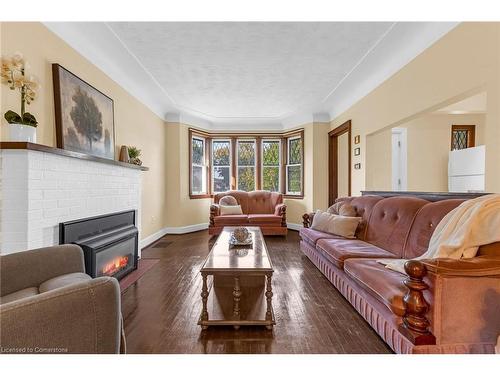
(378, 166)
(134, 123)
(429, 140)
(428, 145)
(462, 63)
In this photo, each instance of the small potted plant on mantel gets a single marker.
(133, 154)
(23, 125)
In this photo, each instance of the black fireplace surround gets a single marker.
(109, 242)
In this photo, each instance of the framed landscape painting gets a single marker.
(84, 115)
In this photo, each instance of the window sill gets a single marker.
(293, 196)
(199, 196)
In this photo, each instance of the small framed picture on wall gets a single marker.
(357, 151)
(356, 139)
(357, 166)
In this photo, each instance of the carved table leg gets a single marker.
(415, 325)
(204, 298)
(269, 296)
(236, 299)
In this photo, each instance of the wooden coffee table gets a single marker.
(240, 290)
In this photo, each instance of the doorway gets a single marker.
(399, 159)
(339, 162)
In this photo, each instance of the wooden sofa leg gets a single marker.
(415, 325)
(305, 220)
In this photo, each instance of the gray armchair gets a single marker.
(49, 305)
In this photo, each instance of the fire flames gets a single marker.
(115, 265)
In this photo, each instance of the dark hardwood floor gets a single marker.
(162, 308)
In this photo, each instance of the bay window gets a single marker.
(221, 165)
(246, 161)
(246, 165)
(294, 166)
(271, 165)
(198, 166)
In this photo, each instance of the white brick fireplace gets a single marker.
(40, 189)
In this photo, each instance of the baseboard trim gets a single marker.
(294, 226)
(171, 230)
(189, 229)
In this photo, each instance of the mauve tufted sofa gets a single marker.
(260, 208)
(443, 306)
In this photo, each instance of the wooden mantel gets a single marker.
(70, 154)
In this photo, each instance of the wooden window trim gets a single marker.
(233, 138)
(471, 136)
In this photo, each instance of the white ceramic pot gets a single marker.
(22, 133)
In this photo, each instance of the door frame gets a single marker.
(333, 157)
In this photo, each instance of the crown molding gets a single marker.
(98, 43)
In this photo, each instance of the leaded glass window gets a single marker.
(294, 166)
(271, 156)
(221, 165)
(246, 165)
(198, 166)
(460, 139)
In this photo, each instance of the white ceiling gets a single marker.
(266, 75)
(248, 70)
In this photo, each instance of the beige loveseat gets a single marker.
(48, 304)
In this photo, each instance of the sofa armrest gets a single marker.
(79, 318)
(30, 268)
(473, 267)
(461, 303)
(307, 219)
(214, 211)
(280, 210)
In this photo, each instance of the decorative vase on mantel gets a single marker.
(22, 133)
(23, 125)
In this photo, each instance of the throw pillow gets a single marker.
(343, 226)
(334, 208)
(231, 210)
(347, 210)
(228, 200)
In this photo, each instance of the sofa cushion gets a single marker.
(339, 249)
(312, 236)
(424, 225)
(363, 206)
(335, 224)
(23, 293)
(63, 280)
(230, 210)
(231, 220)
(264, 219)
(390, 222)
(240, 196)
(228, 200)
(383, 284)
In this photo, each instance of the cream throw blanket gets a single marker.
(459, 234)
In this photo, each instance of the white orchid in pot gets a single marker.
(23, 125)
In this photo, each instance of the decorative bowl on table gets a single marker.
(240, 237)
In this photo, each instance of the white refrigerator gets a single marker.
(466, 170)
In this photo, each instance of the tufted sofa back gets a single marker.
(254, 202)
(424, 224)
(390, 222)
(404, 225)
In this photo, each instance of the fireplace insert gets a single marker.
(109, 243)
